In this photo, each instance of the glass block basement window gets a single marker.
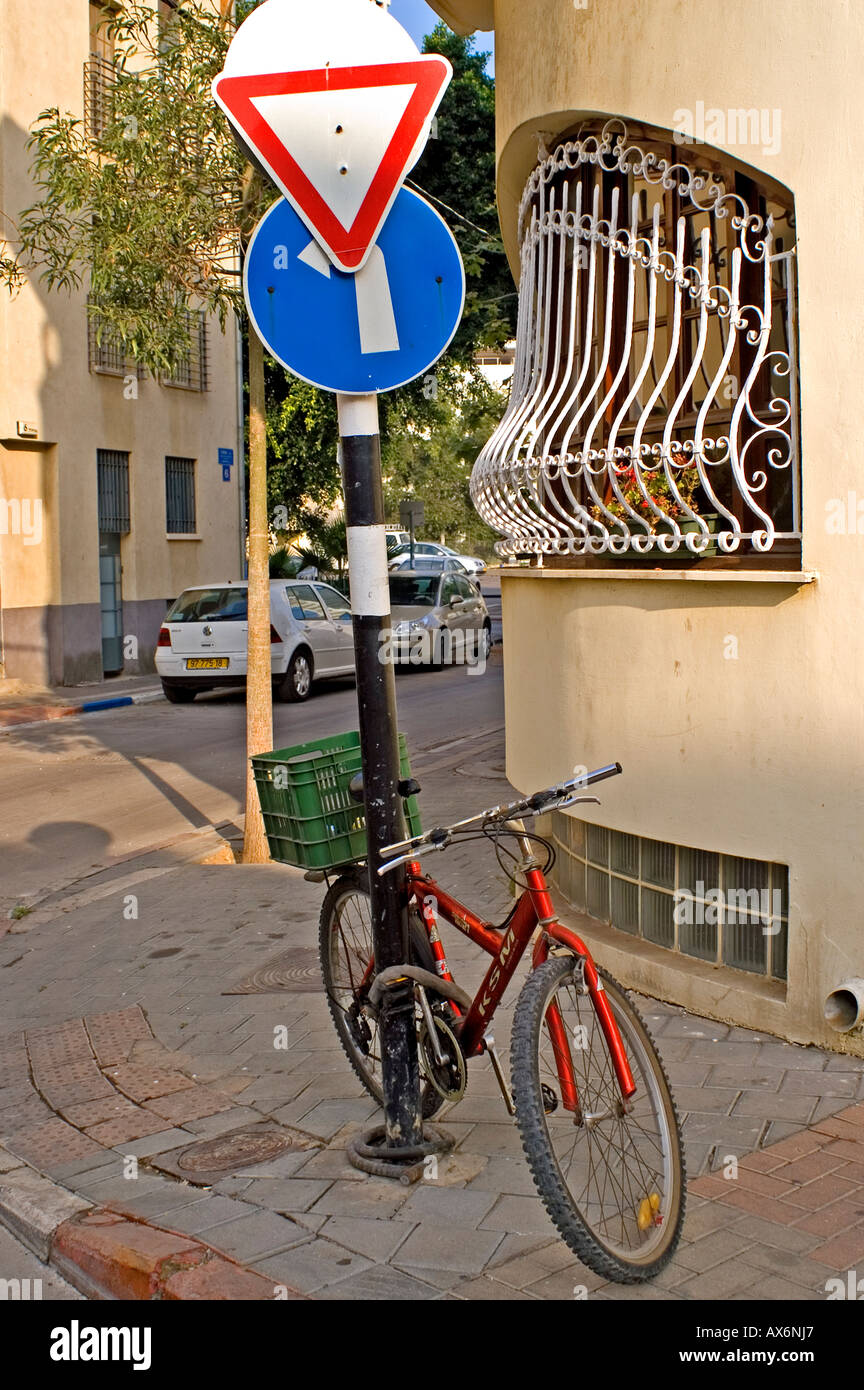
(716, 907)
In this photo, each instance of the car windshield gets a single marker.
(209, 606)
(413, 590)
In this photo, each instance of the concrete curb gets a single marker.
(46, 713)
(110, 1254)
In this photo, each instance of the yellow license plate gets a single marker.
(206, 663)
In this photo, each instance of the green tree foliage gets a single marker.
(457, 173)
(302, 437)
(432, 459)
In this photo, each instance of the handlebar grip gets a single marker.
(602, 773)
(540, 799)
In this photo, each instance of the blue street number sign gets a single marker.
(360, 332)
(226, 459)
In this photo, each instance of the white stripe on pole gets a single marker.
(367, 571)
(357, 414)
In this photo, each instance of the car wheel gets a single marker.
(486, 646)
(297, 681)
(178, 694)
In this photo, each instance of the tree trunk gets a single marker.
(259, 694)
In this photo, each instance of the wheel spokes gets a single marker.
(351, 954)
(615, 1164)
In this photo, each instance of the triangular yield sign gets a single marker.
(337, 141)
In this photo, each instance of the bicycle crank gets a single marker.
(442, 1060)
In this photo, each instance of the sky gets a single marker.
(419, 19)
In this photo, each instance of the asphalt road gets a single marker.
(77, 794)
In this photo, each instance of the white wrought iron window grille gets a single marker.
(654, 406)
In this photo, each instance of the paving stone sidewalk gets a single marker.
(120, 1039)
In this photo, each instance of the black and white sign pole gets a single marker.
(379, 746)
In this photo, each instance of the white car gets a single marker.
(426, 549)
(202, 642)
(429, 563)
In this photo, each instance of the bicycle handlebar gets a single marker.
(557, 797)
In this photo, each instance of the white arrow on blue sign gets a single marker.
(361, 332)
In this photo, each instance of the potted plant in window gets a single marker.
(656, 485)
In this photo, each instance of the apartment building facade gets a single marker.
(117, 490)
(679, 461)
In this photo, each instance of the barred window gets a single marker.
(100, 75)
(112, 467)
(654, 406)
(180, 495)
(99, 71)
(106, 351)
(191, 372)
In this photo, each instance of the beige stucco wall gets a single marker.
(761, 755)
(44, 380)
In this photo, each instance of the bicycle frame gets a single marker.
(507, 945)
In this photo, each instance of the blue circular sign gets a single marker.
(359, 333)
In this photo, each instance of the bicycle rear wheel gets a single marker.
(612, 1180)
(345, 947)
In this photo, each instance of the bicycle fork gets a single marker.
(587, 981)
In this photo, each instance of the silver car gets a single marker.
(426, 550)
(438, 619)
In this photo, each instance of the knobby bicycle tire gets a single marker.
(420, 954)
(578, 1216)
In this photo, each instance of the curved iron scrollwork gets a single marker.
(653, 401)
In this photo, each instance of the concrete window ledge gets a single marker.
(796, 577)
(183, 536)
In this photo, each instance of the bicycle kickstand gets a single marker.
(489, 1042)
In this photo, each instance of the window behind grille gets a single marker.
(654, 408)
(191, 371)
(180, 495)
(112, 467)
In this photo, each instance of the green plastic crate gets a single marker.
(310, 818)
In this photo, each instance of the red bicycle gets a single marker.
(590, 1096)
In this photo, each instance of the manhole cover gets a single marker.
(490, 771)
(297, 971)
(240, 1148)
(210, 1159)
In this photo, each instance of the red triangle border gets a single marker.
(347, 245)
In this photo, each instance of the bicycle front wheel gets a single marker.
(611, 1179)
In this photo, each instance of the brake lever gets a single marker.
(412, 854)
(574, 801)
